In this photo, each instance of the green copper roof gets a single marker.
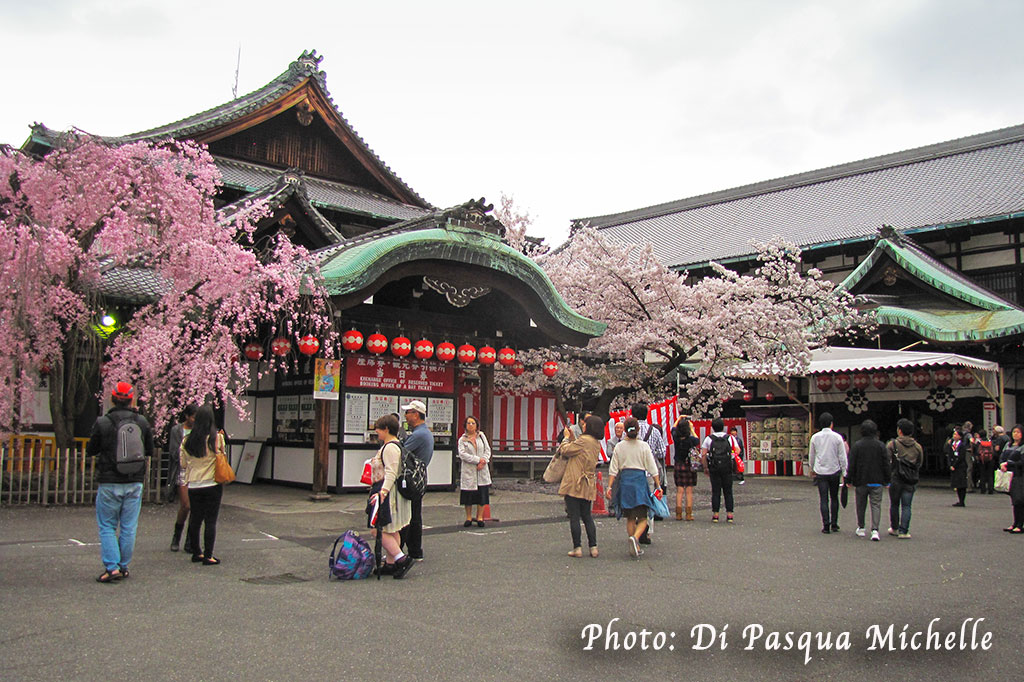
(994, 317)
(354, 265)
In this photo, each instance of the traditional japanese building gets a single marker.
(928, 238)
(406, 278)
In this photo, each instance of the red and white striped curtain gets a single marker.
(663, 413)
(521, 422)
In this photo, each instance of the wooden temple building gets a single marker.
(929, 238)
(397, 267)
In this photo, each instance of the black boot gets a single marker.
(176, 540)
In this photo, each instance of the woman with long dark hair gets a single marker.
(176, 473)
(199, 460)
(1013, 461)
(687, 453)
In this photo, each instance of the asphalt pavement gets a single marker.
(505, 602)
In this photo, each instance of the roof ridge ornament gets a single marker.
(891, 234)
(308, 64)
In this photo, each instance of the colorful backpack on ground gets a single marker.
(351, 558)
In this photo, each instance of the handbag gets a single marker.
(739, 465)
(1003, 480)
(555, 469)
(695, 462)
(222, 472)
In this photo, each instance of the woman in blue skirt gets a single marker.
(632, 462)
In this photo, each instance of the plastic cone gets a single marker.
(487, 514)
(599, 507)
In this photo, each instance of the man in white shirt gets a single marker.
(827, 463)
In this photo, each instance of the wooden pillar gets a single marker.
(321, 449)
(487, 401)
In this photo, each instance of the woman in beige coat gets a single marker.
(579, 484)
(475, 477)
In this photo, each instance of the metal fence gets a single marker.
(34, 471)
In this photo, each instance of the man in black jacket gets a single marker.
(121, 440)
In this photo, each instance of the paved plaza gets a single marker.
(505, 602)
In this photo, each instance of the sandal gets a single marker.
(124, 574)
(109, 577)
(212, 561)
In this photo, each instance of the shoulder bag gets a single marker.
(555, 469)
(222, 472)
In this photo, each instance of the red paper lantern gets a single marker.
(309, 345)
(506, 356)
(517, 369)
(423, 349)
(880, 380)
(486, 355)
(943, 377)
(841, 382)
(748, 396)
(861, 381)
(446, 351)
(921, 378)
(352, 340)
(467, 353)
(253, 351)
(769, 396)
(281, 346)
(901, 379)
(964, 377)
(824, 381)
(401, 346)
(377, 343)
(550, 368)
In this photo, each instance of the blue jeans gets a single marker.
(900, 498)
(117, 504)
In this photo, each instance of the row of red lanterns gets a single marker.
(401, 347)
(900, 379)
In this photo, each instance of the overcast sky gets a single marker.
(576, 108)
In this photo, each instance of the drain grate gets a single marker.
(283, 579)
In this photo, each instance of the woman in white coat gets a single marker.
(475, 481)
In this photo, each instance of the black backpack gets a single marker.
(129, 451)
(720, 454)
(412, 481)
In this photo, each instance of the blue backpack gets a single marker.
(351, 558)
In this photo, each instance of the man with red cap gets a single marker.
(121, 441)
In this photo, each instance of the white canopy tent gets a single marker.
(834, 359)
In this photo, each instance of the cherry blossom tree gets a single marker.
(517, 222)
(659, 323)
(89, 214)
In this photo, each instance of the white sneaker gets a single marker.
(634, 546)
(875, 536)
(860, 532)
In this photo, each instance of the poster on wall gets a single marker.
(287, 413)
(357, 412)
(440, 414)
(327, 379)
(380, 405)
(307, 412)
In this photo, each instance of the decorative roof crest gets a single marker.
(890, 233)
(308, 64)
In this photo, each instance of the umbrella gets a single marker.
(843, 494)
(375, 522)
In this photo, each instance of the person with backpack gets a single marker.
(907, 456)
(827, 463)
(686, 464)
(198, 457)
(395, 508)
(986, 464)
(121, 441)
(420, 442)
(718, 462)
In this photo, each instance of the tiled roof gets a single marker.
(131, 285)
(991, 318)
(305, 67)
(969, 179)
(250, 177)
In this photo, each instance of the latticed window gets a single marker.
(1001, 282)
